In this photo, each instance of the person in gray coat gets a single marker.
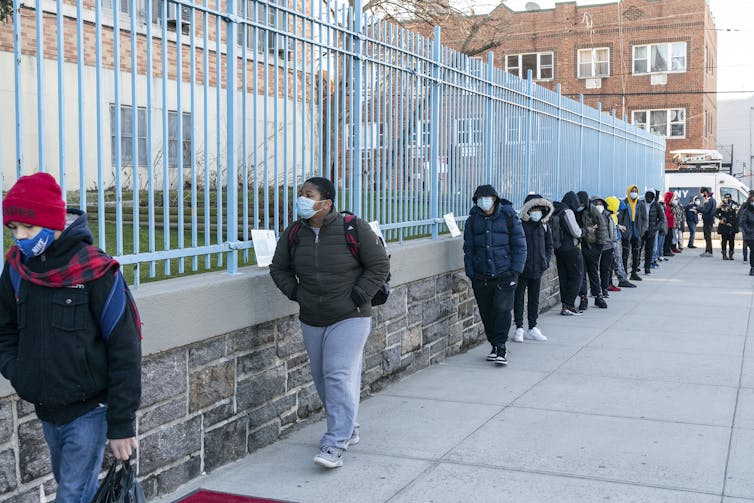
(314, 266)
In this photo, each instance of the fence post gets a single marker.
(358, 195)
(612, 157)
(434, 144)
(231, 178)
(529, 114)
(599, 149)
(581, 141)
(557, 143)
(17, 83)
(40, 86)
(490, 110)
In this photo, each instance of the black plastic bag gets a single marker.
(119, 486)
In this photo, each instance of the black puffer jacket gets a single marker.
(329, 283)
(538, 237)
(746, 222)
(52, 350)
(493, 245)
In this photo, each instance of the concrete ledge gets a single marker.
(182, 311)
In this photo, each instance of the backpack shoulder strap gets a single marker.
(292, 242)
(115, 306)
(352, 235)
(15, 279)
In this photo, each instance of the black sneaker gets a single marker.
(493, 354)
(626, 284)
(635, 277)
(584, 304)
(600, 302)
(500, 358)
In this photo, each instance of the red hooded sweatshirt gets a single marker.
(669, 209)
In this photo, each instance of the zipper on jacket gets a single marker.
(316, 257)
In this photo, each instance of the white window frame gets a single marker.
(646, 122)
(469, 131)
(173, 142)
(126, 138)
(270, 14)
(670, 50)
(592, 54)
(537, 75)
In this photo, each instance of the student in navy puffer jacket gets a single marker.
(494, 249)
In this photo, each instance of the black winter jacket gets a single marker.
(489, 249)
(746, 222)
(538, 239)
(52, 350)
(728, 218)
(327, 281)
(588, 218)
(656, 217)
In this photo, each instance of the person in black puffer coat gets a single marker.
(494, 253)
(746, 224)
(535, 214)
(728, 225)
(569, 260)
(595, 237)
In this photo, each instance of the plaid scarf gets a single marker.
(86, 265)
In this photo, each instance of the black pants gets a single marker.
(707, 237)
(532, 285)
(631, 245)
(606, 268)
(727, 241)
(667, 244)
(569, 274)
(495, 301)
(592, 270)
(649, 246)
(748, 246)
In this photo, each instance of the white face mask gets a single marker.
(485, 203)
(634, 195)
(535, 215)
(599, 207)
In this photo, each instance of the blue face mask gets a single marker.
(33, 247)
(305, 207)
(535, 216)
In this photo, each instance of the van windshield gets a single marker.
(735, 194)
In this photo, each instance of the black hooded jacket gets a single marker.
(52, 349)
(592, 222)
(538, 237)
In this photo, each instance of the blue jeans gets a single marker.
(76, 451)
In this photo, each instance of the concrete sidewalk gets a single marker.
(650, 400)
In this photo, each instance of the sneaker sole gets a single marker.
(502, 364)
(517, 340)
(534, 339)
(326, 463)
(354, 440)
(491, 358)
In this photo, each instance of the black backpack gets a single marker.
(352, 240)
(557, 236)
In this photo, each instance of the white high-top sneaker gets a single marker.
(518, 335)
(535, 335)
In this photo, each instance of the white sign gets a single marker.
(450, 221)
(658, 79)
(264, 246)
(376, 229)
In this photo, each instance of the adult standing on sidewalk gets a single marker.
(708, 219)
(727, 225)
(667, 245)
(494, 254)
(654, 225)
(595, 237)
(535, 214)
(567, 253)
(746, 223)
(692, 220)
(634, 218)
(314, 266)
(680, 222)
(613, 206)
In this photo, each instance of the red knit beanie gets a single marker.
(36, 200)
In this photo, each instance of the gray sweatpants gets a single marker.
(335, 355)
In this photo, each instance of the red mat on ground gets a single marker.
(204, 496)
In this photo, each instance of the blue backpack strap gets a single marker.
(15, 279)
(115, 306)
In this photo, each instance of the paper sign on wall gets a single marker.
(264, 246)
(450, 221)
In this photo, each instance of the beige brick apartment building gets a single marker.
(652, 60)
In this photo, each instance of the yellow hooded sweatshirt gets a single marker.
(613, 203)
(632, 202)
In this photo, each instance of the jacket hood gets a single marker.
(484, 191)
(613, 204)
(583, 198)
(571, 200)
(598, 199)
(668, 197)
(534, 202)
(630, 189)
(76, 231)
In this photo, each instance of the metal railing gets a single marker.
(174, 165)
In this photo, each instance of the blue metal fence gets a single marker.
(174, 164)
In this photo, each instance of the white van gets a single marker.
(702, 168)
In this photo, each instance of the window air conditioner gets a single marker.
(659, 79)
(595, 83)
(172, 18)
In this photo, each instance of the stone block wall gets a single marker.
(211, 402)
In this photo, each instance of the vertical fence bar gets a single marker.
(490, 105)
(599, 148)
(435, 130)
(179, 126)
(135, 126)
(232, 178)
(61, 88)
(17, 83)
(80, 91)
(39, 12)
(356, 103)
(100, 160)
(218, 139)
(194, 209)
(559, 120)
(529, 120)
(165, 138)
(150, 132)
(205, 78)
(118, 134)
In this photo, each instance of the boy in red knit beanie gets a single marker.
(69, 335)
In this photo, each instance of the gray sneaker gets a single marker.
(329, 457)
(355, 439)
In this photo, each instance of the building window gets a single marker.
(668, 123)
(173, 139)
(127, 137)
(660, 58)
(540, 64)
(272, 16)
(594, 62)
(124, 6)
(469, 131)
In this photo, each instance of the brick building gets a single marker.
(653, 61)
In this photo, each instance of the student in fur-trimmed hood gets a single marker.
(535, 214)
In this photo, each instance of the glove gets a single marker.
(508, 280)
